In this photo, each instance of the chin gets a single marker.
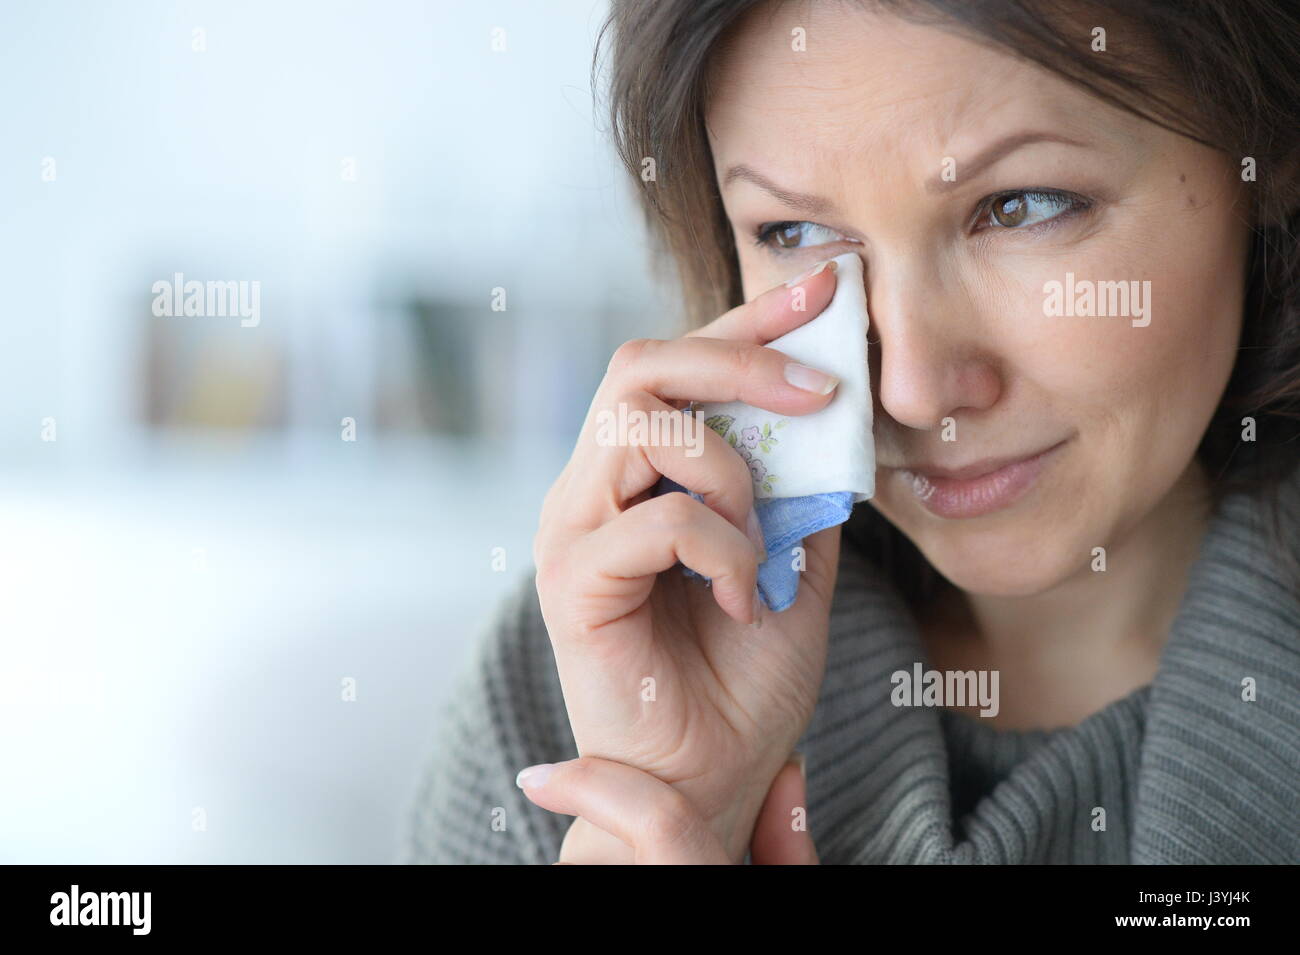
(1013, 558)
(998, 576)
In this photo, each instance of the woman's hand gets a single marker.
(657, 824)
(660, 672)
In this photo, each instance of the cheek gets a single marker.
(1139, 395)
(760, 271)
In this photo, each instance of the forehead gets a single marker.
(870, 85)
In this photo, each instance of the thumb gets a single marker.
(781, 834)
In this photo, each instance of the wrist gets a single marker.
(734, 825)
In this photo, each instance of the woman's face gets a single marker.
(969, 182)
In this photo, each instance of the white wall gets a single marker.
(198, 598)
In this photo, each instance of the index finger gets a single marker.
(777, 311)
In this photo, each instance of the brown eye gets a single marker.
(788, 237)
(783, 237)
(1010, 212)
(1023, 210)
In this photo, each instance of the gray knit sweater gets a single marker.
(1185, 769)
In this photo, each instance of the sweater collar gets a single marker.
(1214, 783)
(1217, 781)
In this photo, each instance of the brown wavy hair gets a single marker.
(1225, 73)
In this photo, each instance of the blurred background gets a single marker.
(303, 306)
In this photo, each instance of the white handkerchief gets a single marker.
(829, 450)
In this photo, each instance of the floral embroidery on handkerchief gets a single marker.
(749, 441)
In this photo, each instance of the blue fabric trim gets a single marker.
(785, 521)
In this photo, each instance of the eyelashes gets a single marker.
(780, 232)
(1033, 211)
(1013, 209)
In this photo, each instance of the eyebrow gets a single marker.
(814, 205)
(806, 203)
(995, 152)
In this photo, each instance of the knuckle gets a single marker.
(747, 359)
(629, 353)
(550, 573)
(671, 821)
(675, 510)
(730, 478)
(639, 400)
(551, 498)
(738, 474)
(550, 516)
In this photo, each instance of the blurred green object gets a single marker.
(463, 357)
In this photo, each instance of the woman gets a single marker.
(1113, 531)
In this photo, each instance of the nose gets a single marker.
(928, 351)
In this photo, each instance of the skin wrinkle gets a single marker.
(959, 319)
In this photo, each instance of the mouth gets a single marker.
(978, 488)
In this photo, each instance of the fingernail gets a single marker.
(758, 610)
(754, 530)
(802, 760)
(815, 270)
(810, 379)
(534, 776)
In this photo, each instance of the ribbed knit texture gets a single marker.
(1186, 771)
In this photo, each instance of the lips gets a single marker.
(979, 488)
